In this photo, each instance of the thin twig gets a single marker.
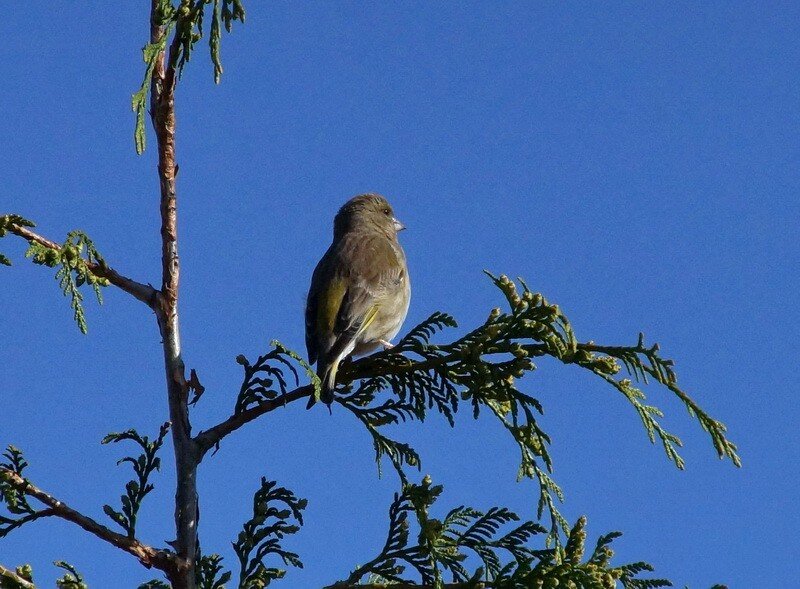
(142, 292)
(147, 555)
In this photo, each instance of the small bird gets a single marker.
(360, 289)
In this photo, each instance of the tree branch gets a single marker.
(162, 105)
(14, 578)
(209, 438)
(147, 555)
(369, 367)
(362, 368)
(142, 292)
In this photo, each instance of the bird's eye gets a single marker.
(387, 211)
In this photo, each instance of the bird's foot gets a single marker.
(386, 345)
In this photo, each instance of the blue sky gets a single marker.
(635, 162)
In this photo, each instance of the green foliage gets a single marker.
(209, 573)
(154, 584)
(224, 13)
(307, 368)
(186, 21)
(11, 581)
(446, 545)
(72, 579)
(143, 466)
(482, 368)
(150, 55)
(262, 535)
(643, 363)
(73, 269)
(264, 380)
(6, 223)
(15, 500)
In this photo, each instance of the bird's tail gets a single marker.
(327, 374)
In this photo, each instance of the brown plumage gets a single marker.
(360, 289)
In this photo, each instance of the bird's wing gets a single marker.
(325, 296)
(311, 320)
(346, 290)
(374, 268)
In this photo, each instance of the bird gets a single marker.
(360, 289)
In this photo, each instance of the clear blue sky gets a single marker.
(636, 162)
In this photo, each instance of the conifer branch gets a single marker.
(211, 437)
(142, 292)
(443, 545)
(143, 466)
(147, 555)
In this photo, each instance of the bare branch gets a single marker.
(14, 578)
(211, 437)
(147, 555)
(142, 292)
(162, 112)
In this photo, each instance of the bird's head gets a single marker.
(369, 212)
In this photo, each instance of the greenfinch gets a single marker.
(360, 289)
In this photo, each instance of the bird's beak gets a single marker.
(398, 226)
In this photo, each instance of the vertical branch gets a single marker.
(162, 104)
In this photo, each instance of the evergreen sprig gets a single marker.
(482, 368)
(186, 21)
(444, 546)
(12, 580)
(265, 380)
(143, 466)
(643, 363)
(150, 55)
(72, 579)
(209, 573)
(6, 221)
(277, 513)
(72, 259)
(154, 584)
(14, 498)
